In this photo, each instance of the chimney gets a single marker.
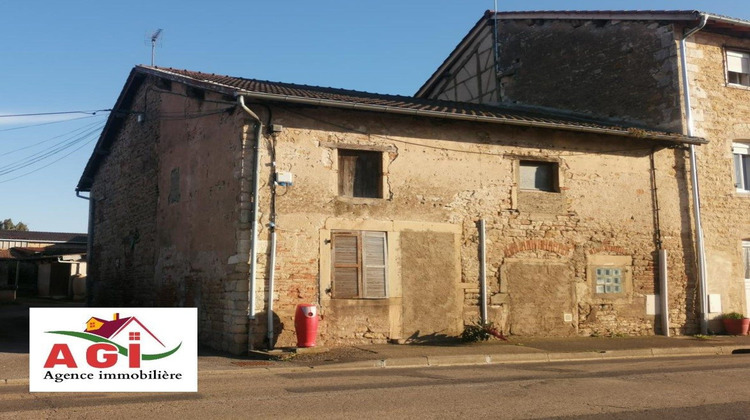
(116, 316)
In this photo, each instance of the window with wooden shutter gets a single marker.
(359, 260)
(373, 264)
(360, 173)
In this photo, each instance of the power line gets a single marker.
(39, 114)
(51, 138)
(49, 164)
(47, 123)
(55, 149)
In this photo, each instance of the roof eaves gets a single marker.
(661, 15)
(476, 116)
(483, 115)
(113, 124)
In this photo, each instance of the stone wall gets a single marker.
(125, 194)
(440, 173)
(168, 199)
(722, 115)
(630, 70)
(172, 222)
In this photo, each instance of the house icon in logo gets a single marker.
(110, 329)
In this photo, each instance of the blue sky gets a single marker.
(75, 56)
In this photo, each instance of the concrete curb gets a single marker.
(469, 360)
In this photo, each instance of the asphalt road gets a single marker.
(676, 388)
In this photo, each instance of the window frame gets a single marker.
(617, 276)
(741, 166)
(370, 186)
(371, 265)
(744, 73)
(554, 175)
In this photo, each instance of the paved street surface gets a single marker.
(668, 388)
(579, 377)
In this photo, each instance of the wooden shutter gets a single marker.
(346, 264)
(347, 170)
(374, 264)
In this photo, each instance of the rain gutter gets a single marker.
(700, 247)
(251, 310)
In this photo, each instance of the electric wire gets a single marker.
(51, 138)
(48, 123)
(55, 149)
(40, 114)
(49, 164)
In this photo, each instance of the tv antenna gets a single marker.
(154, 37)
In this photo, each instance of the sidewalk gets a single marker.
(519, 350)
(14, 366)
(14, 358)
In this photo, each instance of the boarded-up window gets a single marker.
(359, 264)
(360, 173)
(538, 176)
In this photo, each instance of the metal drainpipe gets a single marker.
(701, 251)
(483, 270)
(89, 245)
(271, 275)
(664, 290)
(254, 226)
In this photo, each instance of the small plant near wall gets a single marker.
(735, 323)
(478, 331)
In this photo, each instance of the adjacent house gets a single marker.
(45, 264)
(680, 71)
(244, 198)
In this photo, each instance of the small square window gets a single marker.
(538, 176)
(609, 280)
(738, 67)
(360, 173)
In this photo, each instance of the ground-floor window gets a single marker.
(359, 260)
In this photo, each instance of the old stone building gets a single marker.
(245, 198)
(680, 71)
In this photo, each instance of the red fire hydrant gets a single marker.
(306, 324)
